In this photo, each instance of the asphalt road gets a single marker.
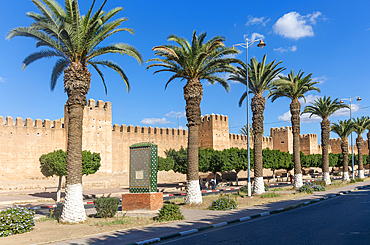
(341, 220)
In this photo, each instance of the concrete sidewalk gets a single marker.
(196, 220)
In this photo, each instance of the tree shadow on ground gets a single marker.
(194, 219)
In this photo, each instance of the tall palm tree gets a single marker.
(324, 107)
(260, 76)
(343, 129)
(74, 40)
(294, 87)
(360, 125)
(193, 62)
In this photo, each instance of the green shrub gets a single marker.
(352, 181)
(16, 221)
(359, 179)
(266, 186)
(306, 187)
(106, 207)
(310, 187)
(57, 211)
(224, 202)
(244, 189)
(169, 212)
(319, 185)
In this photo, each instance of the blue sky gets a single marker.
(327, 38)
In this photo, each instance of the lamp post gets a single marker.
(350, 116)
(246, 45)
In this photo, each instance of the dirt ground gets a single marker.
(50, 230)
(47, 231)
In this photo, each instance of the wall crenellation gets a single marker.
(149, 130)
(23, 141)
(29, 123)
(308, 136)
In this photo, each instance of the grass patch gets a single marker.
(268, 195)
(43, 219)
(121, 220)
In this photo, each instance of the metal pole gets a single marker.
(353, 158)
(249, 156)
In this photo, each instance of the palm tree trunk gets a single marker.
(295, 110)
(258, 106)
(76, 83)
(325, 131)
(344, 147)
(193, 92)
(360, 143)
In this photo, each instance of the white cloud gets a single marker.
(154, 121)
(345, 111)
(282, 50)
(2, 80)
(293, 48)
(305, 118)
(321, 79)
(256, 21)
(295, 26)
(256, 35)
(309, 99)
(253, 37)
(176, 114)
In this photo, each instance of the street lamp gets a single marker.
(350, 116)
(246, 45)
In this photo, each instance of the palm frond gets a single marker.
(101, 76)
(39, 55)
(58, 68)
(114, 67)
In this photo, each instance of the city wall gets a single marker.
(23, 141)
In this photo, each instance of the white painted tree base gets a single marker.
(73, 210)
(298, 183)
(259, 186)
(361, 174)
(345, 176)
(326, 178)
(193, 194)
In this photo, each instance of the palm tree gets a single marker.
(195, 61)
(343, 129)
(74, 40)
(260, 76)
(244, 130)
(324, 107)
(360, 125)
(294, 87)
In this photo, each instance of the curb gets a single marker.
(188, 232)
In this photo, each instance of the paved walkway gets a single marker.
(195, 219)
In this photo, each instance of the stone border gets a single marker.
(188, 232)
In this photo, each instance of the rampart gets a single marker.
(24, 141)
